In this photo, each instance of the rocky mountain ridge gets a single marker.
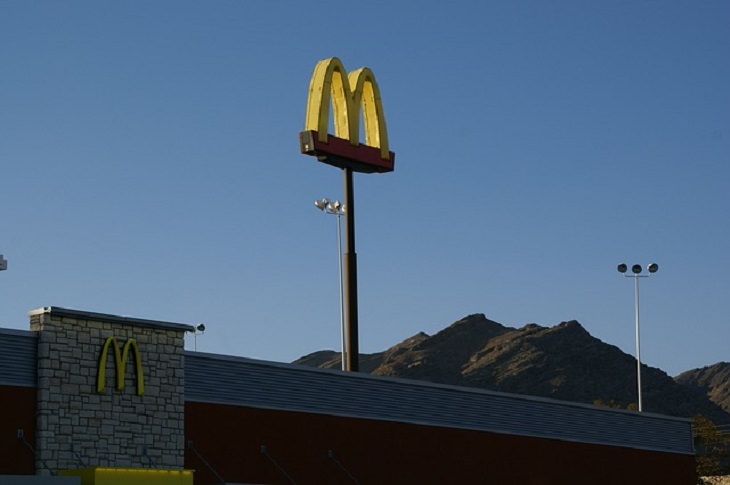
(562, 362)
(713, 380)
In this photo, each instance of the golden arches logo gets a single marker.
(120, 360)
(348, 94)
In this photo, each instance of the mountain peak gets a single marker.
(563, 362)
(476, 321)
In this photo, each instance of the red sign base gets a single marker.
(341, 153)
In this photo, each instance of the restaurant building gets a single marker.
(95, 399)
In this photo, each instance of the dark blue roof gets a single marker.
(253, 383)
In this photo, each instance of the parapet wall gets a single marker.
(85, 416)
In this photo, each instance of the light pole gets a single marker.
(198, 328)
(336, 208)
(636, 270)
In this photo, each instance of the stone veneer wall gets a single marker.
(79, 427)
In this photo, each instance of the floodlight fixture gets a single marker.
(636, 270)
(321, 204)
(336, 208)
(200, 327)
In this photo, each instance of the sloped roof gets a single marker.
(253, 383)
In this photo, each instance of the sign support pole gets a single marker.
(348, 96)
(353, 354)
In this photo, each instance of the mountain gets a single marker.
(713, 381)
(562, 362)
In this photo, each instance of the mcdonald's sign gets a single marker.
(348, 94)
(120, 361)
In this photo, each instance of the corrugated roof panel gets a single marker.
(247, 382)
(18, 358)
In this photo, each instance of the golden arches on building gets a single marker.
(120, 360)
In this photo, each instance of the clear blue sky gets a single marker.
(150, 167)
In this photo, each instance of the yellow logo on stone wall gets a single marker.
(120, 359)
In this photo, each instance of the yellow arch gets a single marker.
(120, 361)
(360, 90)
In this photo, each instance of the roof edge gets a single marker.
(55, 311)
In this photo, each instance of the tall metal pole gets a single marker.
(638, 338)
(353, 354)
(636, 270)
(343, 333)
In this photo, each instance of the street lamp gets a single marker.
(336, 208)
(636, 274)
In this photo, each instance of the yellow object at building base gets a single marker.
(130, 476)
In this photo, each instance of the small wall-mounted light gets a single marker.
(198, 329)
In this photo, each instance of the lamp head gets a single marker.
(200, 327)
(621, 268)
(334, 206)
(653, 268)
(321, 204)
(636, 269)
